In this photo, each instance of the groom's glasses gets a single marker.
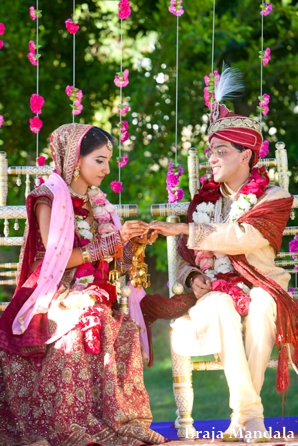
(219, 153)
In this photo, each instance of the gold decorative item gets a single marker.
(125, 291)
(177, 288)
(114, 279)
(76, 173)
(139, 276)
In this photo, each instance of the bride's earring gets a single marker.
(76, 173)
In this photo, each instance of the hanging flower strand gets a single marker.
(176, 7)
(34, 13)
(2, 31)
(121, 81)
(263, 104)
(266, 8)
(75, 96)
(265, 56)
(124, 9)
(211, 81)
(173, 177)
(71, 26)
(264, 150)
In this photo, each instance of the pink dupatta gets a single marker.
(59, 249)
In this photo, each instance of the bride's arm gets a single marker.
(43, 215)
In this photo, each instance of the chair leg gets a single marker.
(184, 396)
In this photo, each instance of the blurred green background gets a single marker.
(150, 55)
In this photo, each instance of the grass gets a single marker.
(210, 388)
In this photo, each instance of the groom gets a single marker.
(228, 245)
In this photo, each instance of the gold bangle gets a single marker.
(85, 254)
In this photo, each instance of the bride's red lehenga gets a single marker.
(57, 394)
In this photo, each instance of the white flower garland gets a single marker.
(203, 214)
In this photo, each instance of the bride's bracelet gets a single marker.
(85, 254)
(105, 247)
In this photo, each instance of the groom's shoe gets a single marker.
(256, 432)
(235, 432)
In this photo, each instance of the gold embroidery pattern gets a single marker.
(202, 232)
(230, 123)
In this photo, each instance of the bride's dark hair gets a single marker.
(94, 139)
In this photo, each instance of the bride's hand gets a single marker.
(148, 238)
(133, 228)
(168, 229)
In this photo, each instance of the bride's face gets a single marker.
(95, 166)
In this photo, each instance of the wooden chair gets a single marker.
(183, 366)
(8, 271)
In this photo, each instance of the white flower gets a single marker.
(84, 233)
(252, 198)
(82, 224)
(200, 217)
(243, 203)
(223, 265)
(205, 207)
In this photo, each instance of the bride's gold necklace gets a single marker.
(75, 194)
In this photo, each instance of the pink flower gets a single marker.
(35, 124)
(121, 78)
(32, 59)
(122, 161)
(265, 99)
(264, 149)
(293, 245)
(36, 103)
(204, 178)
(172, 179)
(75, 96)
(124, 9)
(41, 161)
(263, 104)
(266, 57)
(32, 13)
(68, 90)
(124, 127)
(291, 289)
(123, 109)
(2, 29)
(179, 193)
(124, 137)
(97, 196)
(31, 45)
(1, 44)
(77, 110)
(176, 7)
(116, 186)
(1, 120)
(71, 27)
(211, 81)
(242, 304)
(266, 8)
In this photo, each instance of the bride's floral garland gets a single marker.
(91, 284)
(215, 265)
